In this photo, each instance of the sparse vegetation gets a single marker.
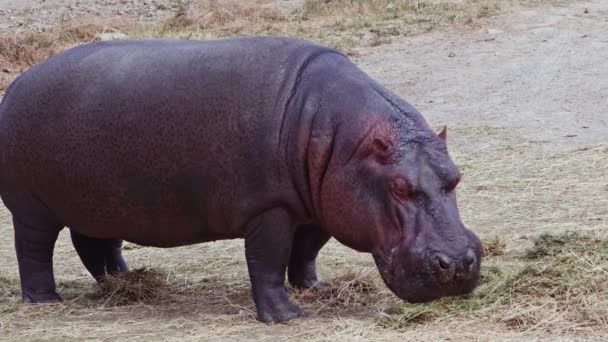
(342, 24)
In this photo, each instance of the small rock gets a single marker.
(437, 100)
(110, 36)
(570, 135)
(586, 11)
(245, 313)
(452, 54)
(494, 31)
(390, 7)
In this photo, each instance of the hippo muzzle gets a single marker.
(424, 273)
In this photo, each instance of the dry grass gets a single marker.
(26, 50)
(494, 247)
(134, 287)
(90, 28)
(351, 290)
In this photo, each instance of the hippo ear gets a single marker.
(444, 133)
(381, 149)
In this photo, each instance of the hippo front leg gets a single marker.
(267, 248)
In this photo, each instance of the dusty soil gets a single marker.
(44, 15)
(525, 99)
(538, 72)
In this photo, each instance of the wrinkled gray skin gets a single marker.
(278, 141)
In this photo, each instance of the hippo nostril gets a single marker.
(444, 261)
(470, 258)
(470, 261)
(445, 268)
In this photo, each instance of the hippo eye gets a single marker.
(400, 188)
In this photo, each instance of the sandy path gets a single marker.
(542, 72)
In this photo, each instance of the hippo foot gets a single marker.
(282, 313)
(277, 309)
(32, 297)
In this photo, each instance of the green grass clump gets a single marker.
(559, 269)
(553, 245)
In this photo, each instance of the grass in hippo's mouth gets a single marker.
(559, 273)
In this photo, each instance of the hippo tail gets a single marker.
(4, 110)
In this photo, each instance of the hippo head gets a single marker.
(395, 197)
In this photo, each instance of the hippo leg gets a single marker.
(302, 270)
(267, 248)
(99, 256)
(34, 242)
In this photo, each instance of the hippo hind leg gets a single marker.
(307, 242)
(36, 231)
(99, 256)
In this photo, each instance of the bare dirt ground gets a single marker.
(525, 98)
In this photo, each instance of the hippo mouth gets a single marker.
(417, 280)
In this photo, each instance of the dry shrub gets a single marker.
(89, 28)
(26, 50)
(225, 17)
(215, 13)
(137, 286)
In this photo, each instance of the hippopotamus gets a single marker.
(281, 142)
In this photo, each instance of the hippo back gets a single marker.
(154, 133)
